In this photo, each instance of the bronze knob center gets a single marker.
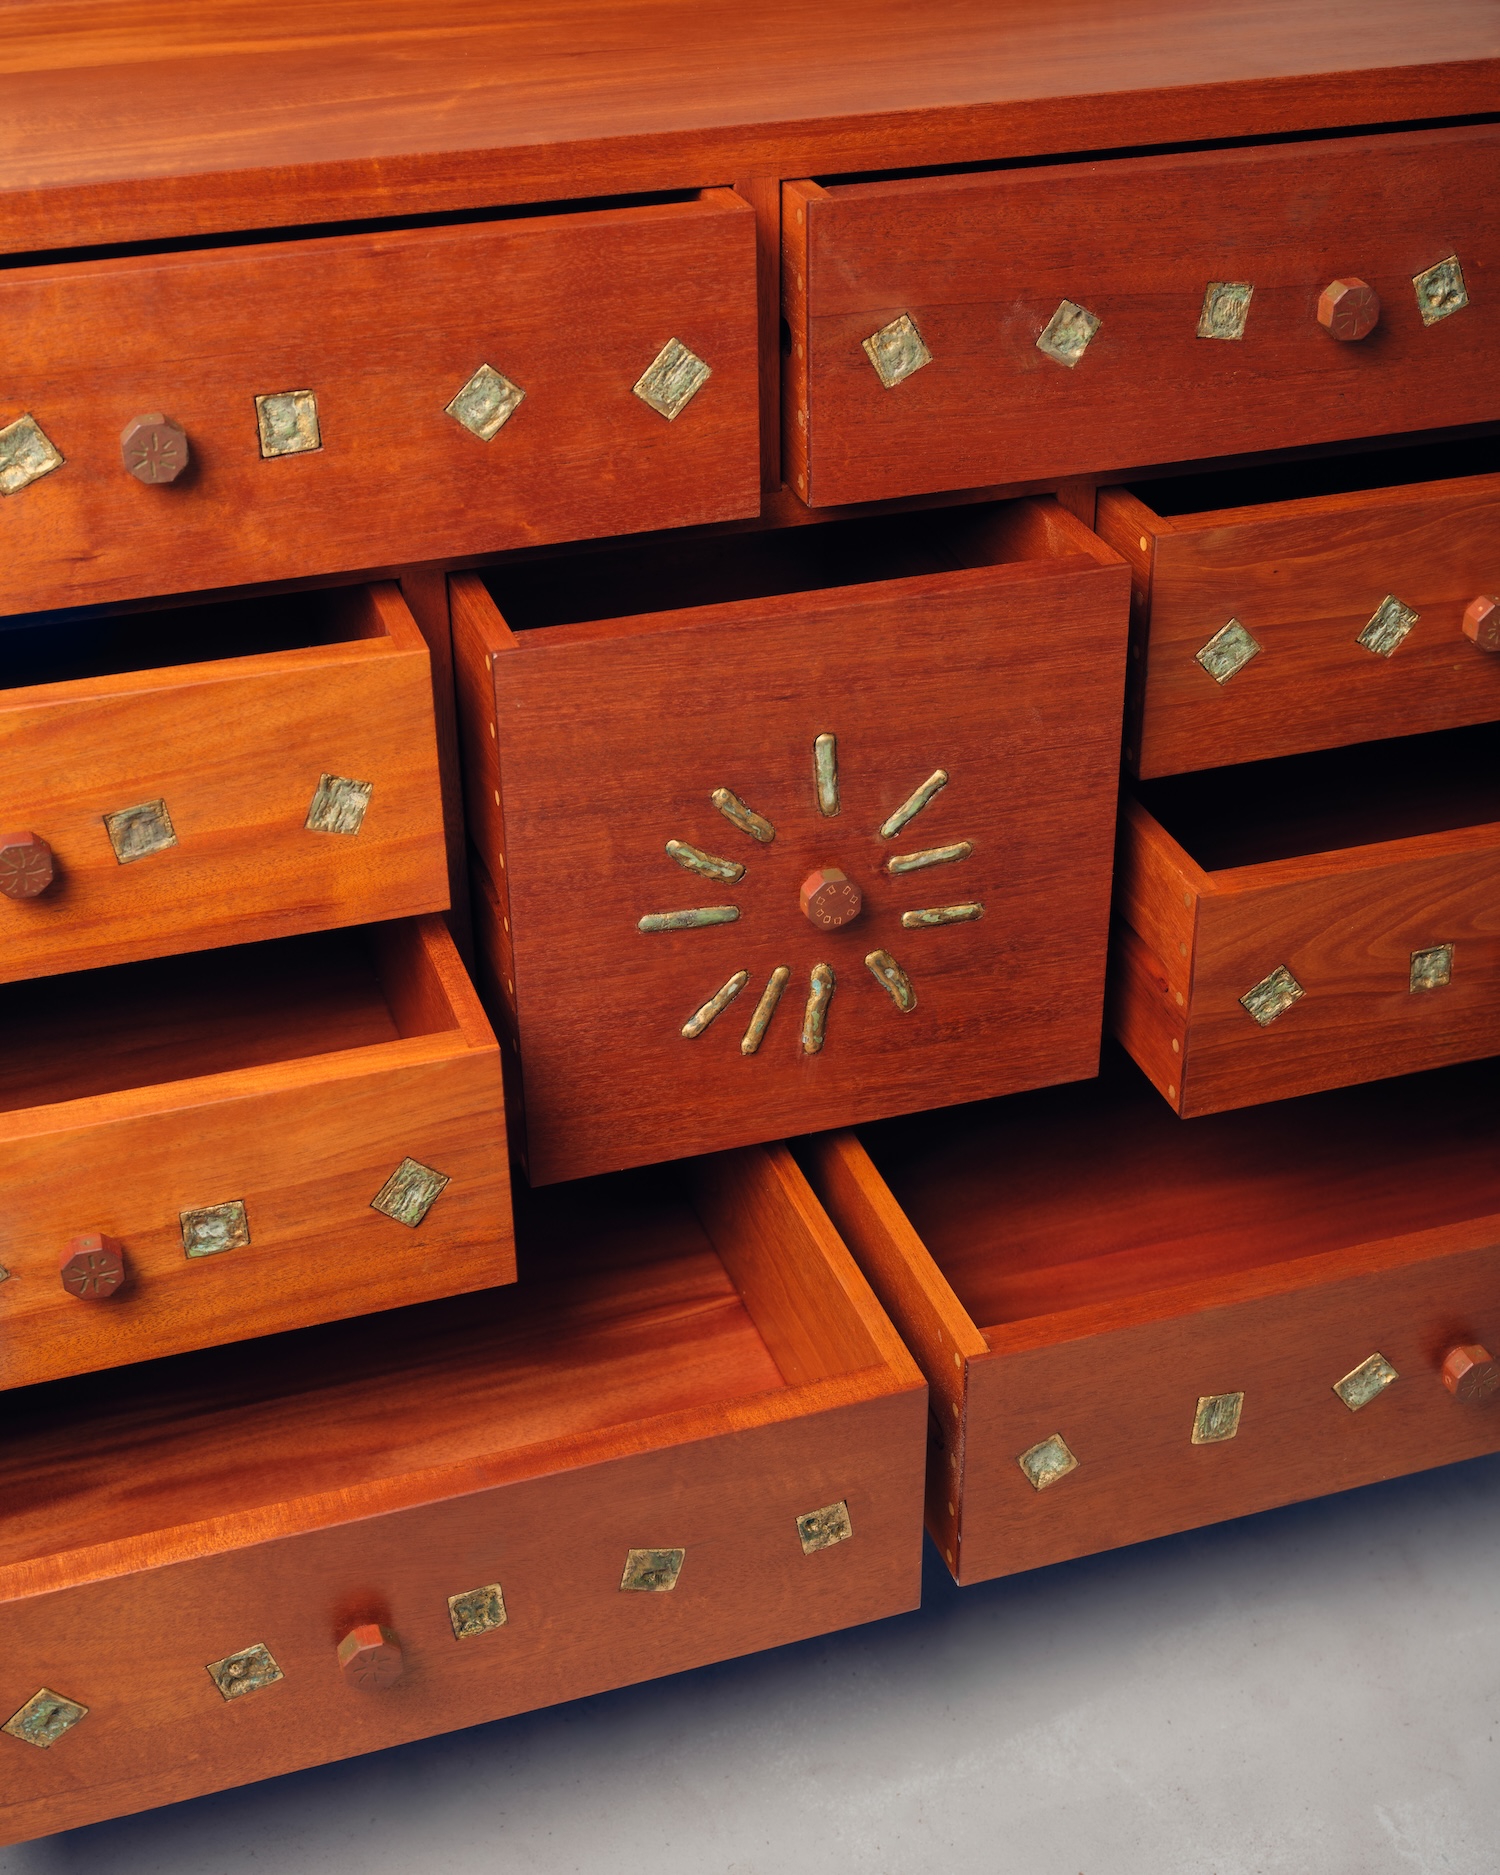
(829, 899)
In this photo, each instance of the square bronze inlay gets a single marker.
(1440, 291)
(44, 1718)
(477, 1611)
(214, 1228)
(672, 380)
(410, 1192)
(338, 805)
(821, 1529)
(1272, 996)
(1227, 652)
(1068, 333)
(1226, 307)
(652, 1571)
(26, 455)
(1217, 1417)
(897, 350)
(1389, 624)
(486, 403)
(288, 423)
(1365, 1382)
(245, 1672)
(1046, 1462)
(138, 832)
(1432, 969)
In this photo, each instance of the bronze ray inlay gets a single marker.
(932, 915)
(706, 865)
(690, 920)
(826, 775)
(745, 818)
(815, 1016)
(890, 976)
(710, 1011)
(914, 803)
(770, 996)
(899, 863)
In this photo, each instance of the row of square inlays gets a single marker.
(47, 1716)
(1233, 646)
(1430, 969)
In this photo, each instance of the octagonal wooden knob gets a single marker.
(93, 1267)
(829, 899)
(1349, 309)
(154, 448)
(1471, 1374)
(26, 865)
(1482, 622)
(370, 1656)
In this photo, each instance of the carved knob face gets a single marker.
(1471, 1374)
(1349, 309)
(154, 448)
(93, 1267)
(370, 1656)
(829, 899)
(1482, 623)
(26, 867)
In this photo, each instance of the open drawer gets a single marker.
(1132, 1327)
(212, 774)
(1309, 605)
(199, 1150)
(795, 828)
(1311, 922)
(689, 1433)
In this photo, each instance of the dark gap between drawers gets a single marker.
(1275, 484)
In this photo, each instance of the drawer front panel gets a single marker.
(982, 265)
(362, 342)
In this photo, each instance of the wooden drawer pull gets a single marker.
(154, 448)
(1349, 309)
(93, 1267)
(830, 898)
(1482, 622)
(370, 1656)
(26, 865)
(1470, 1374)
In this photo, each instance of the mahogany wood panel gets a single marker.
(385, 329)
(1304, 579)
(621, 1398)
(981, 262)
(293, 1078)
(137, 122)
(236, 750)
(1005, 672)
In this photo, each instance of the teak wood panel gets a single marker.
(385, 329)
(1304, 579)
(612, 739)
(326, 1106)
(626, 1397)
(236, 750)
(982, 261)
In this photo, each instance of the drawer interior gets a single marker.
(1332, 798)
(1097, 1194)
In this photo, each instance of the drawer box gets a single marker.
(1311, 922)
(289, 784)
(352, 400)
(925, 706)
(688, 1434)
(1086, 1283)
(1257, 621)
(261, 1131)
(1060, 306)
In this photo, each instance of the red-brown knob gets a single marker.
(154, 448)
(1471, 1374)
(93, 1267)
(370, 1656)
(1349, 309)
(1482, 622)
(829, 899)
(26, 867)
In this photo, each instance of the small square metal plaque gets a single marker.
(245, 1672)
(26, 455)
(897, 350)
(477, 1611)
(214, 1228)
(1272, 996)
(44, 1718)
(1067, 334)
(1217, 1417)
(1226, 307)
(1432, 969)
(410, 1192)
(1440, 291)
(1227, 652)
(138, 832)
(486, 403)
(1365, 1382)
(288, 423)
(821, 1529)
(1389, 624)
(1045, 1463)
(652, 1571)
(338, 805)
(672, 380)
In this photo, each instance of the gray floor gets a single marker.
(1310, 1691)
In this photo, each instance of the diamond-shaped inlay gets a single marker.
(44, 1718)
(821, 1529)
(410, 1192)
(138, 832)
(897, 350)
(477, 1611)
(1047, 1461)
(652, 1571)
(245, 1672)
(1068, 332)
(1227, 652)
(1226, 307)
(1217, 1417)
(26, 454)
(1389, 624)
(1365, 1382)
(672, 380)
(214, 1228)
(338, 804)
(1440, 291)
(486, 403)
(1432, 969)
(1272, 996)
(288, 422)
